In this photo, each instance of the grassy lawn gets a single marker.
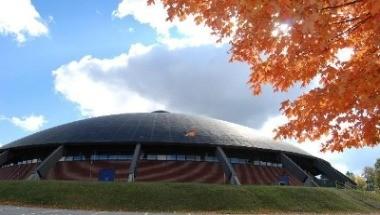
(186, 197)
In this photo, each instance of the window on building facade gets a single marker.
(171, 157)
(161, 157)
(181, 157)
(151, 157)
(211, 158)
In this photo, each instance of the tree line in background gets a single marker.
(369, 179)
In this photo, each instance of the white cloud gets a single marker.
(160, 78)
(272, 122)
(20, 19)
(29, 123)
(154, 16)
(281, 29)
(176, 34)
(345, 54)
(81, 82)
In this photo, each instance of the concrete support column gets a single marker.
(297, 171)
(49, 162)
(134, 162)
(4, 157)
(228, 168)
(333, 174)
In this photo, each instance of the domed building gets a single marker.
(162, 146)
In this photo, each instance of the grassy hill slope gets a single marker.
(185, 197)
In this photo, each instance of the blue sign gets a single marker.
(106, 175)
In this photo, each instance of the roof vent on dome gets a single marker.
(160, 111)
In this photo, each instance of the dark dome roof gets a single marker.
(156, 127)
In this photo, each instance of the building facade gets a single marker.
(162, 146)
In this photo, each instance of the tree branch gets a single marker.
(341, 5)
(351, 19)
(352, 28)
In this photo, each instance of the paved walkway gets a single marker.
(15, 210)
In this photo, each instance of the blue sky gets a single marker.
(68, 60)
(27, 84)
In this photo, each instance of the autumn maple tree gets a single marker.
(291, 42)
